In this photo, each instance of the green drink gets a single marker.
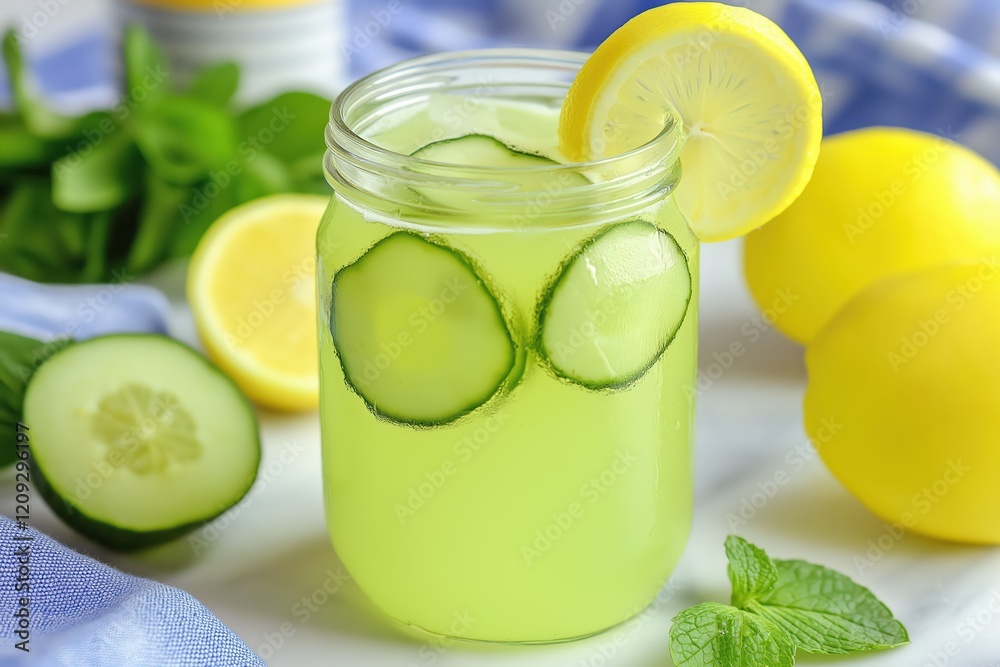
(507, 350)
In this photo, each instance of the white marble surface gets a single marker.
(255, 571)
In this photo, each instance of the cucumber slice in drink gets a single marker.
(136, 439)
(615, 306)
(480, 150)
(420, 336)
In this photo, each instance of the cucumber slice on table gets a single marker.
(615, 306)
(480, 150)
(136, 439)
(420, 336)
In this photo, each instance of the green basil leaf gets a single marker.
(290, 127)
(263, 175)
(96, 263)
(21, 149)
(308, 174)
(184, 139)
(146, 71)
(100, 176)
(216, 84)
(206, 202)
(158, 222)
(41, 242)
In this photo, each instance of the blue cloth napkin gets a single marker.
(82, 613)
(931, 66)
(45, 312)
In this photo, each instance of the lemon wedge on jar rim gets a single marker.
(748, 101)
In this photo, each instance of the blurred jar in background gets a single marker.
(280, 45)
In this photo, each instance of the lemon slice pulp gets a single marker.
(251, 286)
(750, 107)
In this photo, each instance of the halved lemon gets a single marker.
(252, 289)
(749, 103)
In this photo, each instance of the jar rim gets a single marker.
(340, 134)
(376, 179)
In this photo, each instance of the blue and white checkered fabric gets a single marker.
(931, 65)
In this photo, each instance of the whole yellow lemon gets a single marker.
(903, 401)
(881, 201)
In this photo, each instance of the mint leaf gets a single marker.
(751, 572)
(825, 612)
(717, 635)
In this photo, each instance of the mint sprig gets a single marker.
(825, 612)
(712, 634)
(751, 572)
(777, 607)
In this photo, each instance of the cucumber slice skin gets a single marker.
(508, 160)
(623, 382)
(506, 382)
(120, 538)
(428, 151)
(109, 535)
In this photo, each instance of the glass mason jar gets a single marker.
(507, 354)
